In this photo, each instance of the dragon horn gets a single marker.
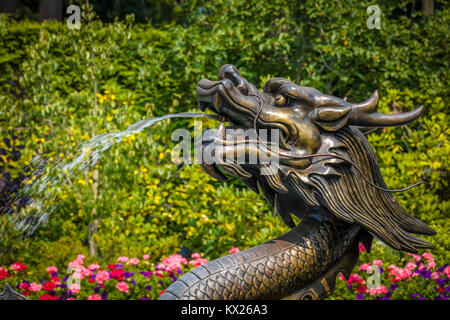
(364, 114)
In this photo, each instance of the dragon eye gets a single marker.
(280, 100)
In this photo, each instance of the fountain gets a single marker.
(322, 170)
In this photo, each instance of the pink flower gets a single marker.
(122, 259)
(431, 265)
(364, 267)
(52, 269)
(378, 290)
(95, 297)
(122, 286)
(76, 271)
(70, 298)
(35, 287)
(195, 255)
(415, 256)
(377, 263)
(77, 262)
(341, 276)
(133, 261)
(174, 262)
(93, 266)
(354, 277)
(145, 257)
(85, 272)
(160, 266)
(435, 275)
(233, 250)
(446, 270)
(74, 288)
(18, 266)
(410, 266)
(405, 274)
(102, 276)
(428, 256)
(198, 262)
(400, 274)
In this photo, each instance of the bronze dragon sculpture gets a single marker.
(326, 175)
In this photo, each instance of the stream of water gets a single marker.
(40, 193)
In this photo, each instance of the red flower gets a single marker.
(91, 280)
(55, 279)
(48, 297)
(4, 274)
(117, 274)
(24, 285)
(111, 266)
(361, 248)
(49, 286)
(18, 266)
(361, 289)
(161, 292)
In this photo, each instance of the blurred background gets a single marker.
(144, 10)
(137, 59)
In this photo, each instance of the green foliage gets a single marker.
(70, 85)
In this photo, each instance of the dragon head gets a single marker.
(314, 138)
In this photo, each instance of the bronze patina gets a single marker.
(327, 175)
(9, 293)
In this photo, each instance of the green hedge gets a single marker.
(60, 87)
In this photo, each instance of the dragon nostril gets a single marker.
(242, 87)
(230, 72)
(226, 70)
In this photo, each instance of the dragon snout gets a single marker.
(229, 71)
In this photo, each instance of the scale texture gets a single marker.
(272, 270)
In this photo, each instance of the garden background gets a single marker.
(60, 87)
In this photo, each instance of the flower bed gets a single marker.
(417, 279)
(138, 278)
(127, 278)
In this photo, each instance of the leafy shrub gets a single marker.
(59, 88)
